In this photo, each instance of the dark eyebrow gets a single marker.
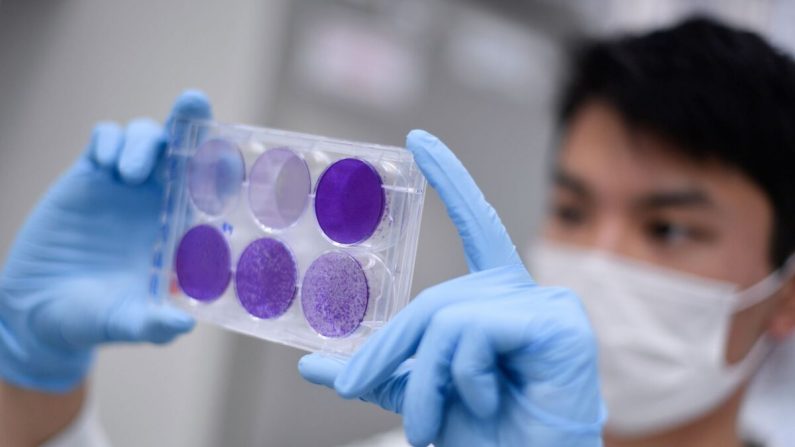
(573, 184)
(684, 198)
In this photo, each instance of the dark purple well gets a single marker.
(266, 278)
(334, 294)
(203, 263)
(349, 201)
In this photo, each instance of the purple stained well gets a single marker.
(203, 263)
(349, 201)
(215, 175)
(279, 186)
(266, 278)
(334, 294)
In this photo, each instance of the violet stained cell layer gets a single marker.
(266, 278)
(349, 201)
(334, 294)
(215, 175)
(203, 263)
(279, 186)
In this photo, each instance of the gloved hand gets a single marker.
(497, 359)
(78, 272)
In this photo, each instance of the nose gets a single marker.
(610, 233)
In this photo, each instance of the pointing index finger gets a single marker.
(486, 242)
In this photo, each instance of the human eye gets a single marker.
(669, 232)
(569, 214)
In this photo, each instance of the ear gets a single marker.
(782, 322)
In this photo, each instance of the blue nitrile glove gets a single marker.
(497, 359)
(77, 274)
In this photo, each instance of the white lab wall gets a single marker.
(66, 64)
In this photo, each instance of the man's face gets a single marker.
(632, 193)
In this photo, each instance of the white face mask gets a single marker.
(662, 334)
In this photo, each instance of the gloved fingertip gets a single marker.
(489, 408)
(105, 144)
(479, 390)
(346, 392)
(419, 139)
(347, 385)
(177, 318)
(416, 435)
(182, 322)
(193, 104)
(144, 139)
(319, 369)
(132, 175)
(166, 324)
(486, 406)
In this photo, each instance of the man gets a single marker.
(491, 358)
(674, 180)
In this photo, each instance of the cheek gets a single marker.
(744, 248)
(746, 328)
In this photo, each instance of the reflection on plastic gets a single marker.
(215, 174)
(279, 187)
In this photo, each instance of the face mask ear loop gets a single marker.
(765, 288)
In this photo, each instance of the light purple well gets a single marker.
(266, 278)
(334, 294)
(349, 201)
(203, 263)
(215, 175)
(279, 186)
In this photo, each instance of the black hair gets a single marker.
(714, 91)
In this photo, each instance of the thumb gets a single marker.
(320, 369)
(91, 318)
(148, 321)
(190, 105)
